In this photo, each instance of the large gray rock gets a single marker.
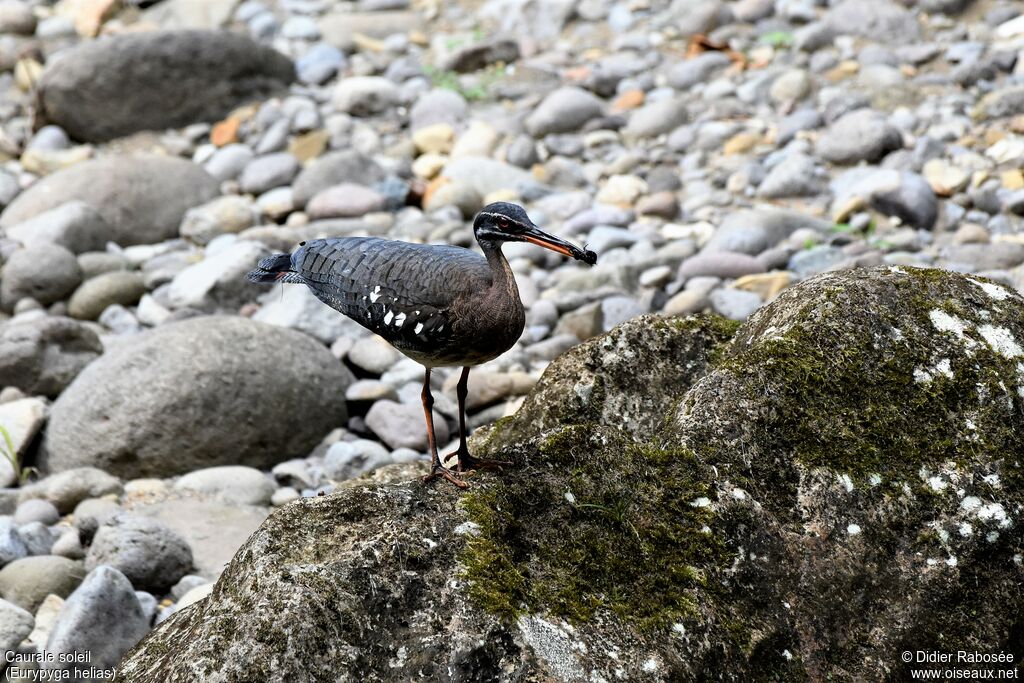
(74, 225)
(102, 617)
(113, 86)
(45, 272)
(43, 355)
(563, 111)
(657, 118)
(205, 391)
(334, 168)
(142, 198)
(861, 135)
(149, 554)
(727, 507)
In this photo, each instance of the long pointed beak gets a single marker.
(556, 244)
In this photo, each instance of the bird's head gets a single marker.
(506, 222)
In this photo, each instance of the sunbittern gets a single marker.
(439, 305)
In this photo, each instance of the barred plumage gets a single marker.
(439, 305)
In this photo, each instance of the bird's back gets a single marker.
(404, 292)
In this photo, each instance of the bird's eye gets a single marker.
(502, 223)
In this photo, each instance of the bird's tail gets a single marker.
(271, 269)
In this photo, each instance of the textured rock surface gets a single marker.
(147, 552)
(719, 542)
(107, 88)
(275, 393)
(102, 617)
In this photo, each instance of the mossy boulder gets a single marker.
(877, 417)
(803, 500)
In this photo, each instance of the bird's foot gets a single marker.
(442, 472)
(467, 463)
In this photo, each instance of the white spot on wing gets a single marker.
(418, 328)
(399, 319)
(388, 317)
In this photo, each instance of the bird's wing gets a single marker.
(401, 291)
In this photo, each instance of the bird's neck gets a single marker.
(502, 279)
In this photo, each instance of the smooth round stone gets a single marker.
(95, 263)
(267, 172)
(370, 390)
(284, 495)
(45, 272)
(373, 354)
(17, 17)
(564, 110)
(437, 138)
(319, 64)
(227, 214)
(27, 582)
(723, 264)
(971, 233)
(231, 483)
(791, 86)
(460, 195)
(365, 95)
(348, 459)
(346, 200)
(123, 287)
(36, 510)
(298, 27)
(401, 425)
(229, 161)
(861, 135)
(656, 277)
(70, 487)
(734, 304)
(147, 552)
(187, 583)
(49, 138)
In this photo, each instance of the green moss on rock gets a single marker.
(887, 391)
(639, 546)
